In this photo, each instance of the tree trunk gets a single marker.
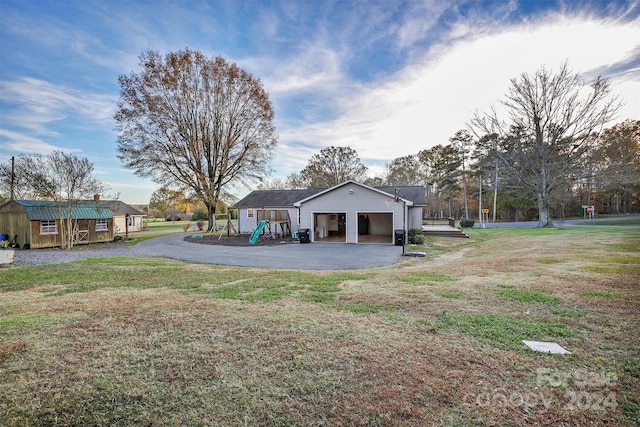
(544, 210)
(464, 189)
(211, 213)
(495, 194)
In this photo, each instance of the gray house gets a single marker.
(349, 212)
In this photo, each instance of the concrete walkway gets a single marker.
(297, 256)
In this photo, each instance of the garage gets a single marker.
(330, 227)
(375, 227)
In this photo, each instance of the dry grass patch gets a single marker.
(429, 341)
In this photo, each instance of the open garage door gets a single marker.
(375, 227)
(330, 227)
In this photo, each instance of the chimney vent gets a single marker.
(96, 197)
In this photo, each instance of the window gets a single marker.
(250, 213)
(101, 225)
(48, 226)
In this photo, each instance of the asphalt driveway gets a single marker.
(297, 256)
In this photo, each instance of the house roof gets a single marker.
(38, 210)
(120, 208)
(287, 198)
(275, 198)
(414, 193)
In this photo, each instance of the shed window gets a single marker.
(250, 213)
(101, 225)
(48, 227)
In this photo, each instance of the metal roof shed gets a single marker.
(36, 223)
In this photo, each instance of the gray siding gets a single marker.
(351, 199)
(247, 225)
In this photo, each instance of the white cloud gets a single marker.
(15, 141)
(41, 103)
(427, 102)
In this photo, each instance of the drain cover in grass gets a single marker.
(416, 254)
(546, 347)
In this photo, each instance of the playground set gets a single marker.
(272, 223)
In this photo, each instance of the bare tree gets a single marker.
(551, 119)
(330, 167)
(66, 179)
(199, 123)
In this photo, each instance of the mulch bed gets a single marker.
(237, 240)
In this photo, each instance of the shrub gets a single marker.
(467, 223)
(186, 226)
(200, 225)
(417, 237)
(200, 215)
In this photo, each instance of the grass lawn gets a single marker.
(429, 341)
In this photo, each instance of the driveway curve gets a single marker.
(295, 256)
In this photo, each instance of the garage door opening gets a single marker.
(330, 227)
(375, 227)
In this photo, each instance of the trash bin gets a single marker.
(303, 235)
(399, 238)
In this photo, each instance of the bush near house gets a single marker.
(467, 223)
(417, 237)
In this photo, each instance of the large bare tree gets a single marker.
(194, 122)
(548, 129)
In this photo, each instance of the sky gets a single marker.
(387, 78)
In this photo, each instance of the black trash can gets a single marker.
(303, 235)
(399, 238)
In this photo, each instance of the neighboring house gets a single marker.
(36, 223)
(123, 214)
(349, 212)
(180, 216)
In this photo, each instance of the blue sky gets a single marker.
(387, 78)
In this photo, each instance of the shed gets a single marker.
(36, 223)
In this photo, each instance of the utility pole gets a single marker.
(480, 216)
(13, 176)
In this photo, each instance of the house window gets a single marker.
(101, 225)
(250, 213)
(131, 220)
(48, 227)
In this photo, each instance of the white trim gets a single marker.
(328, 190)
(393, 221)
(48, 226)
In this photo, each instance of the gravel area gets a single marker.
(57, 255)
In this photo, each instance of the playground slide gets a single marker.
(256, 233)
